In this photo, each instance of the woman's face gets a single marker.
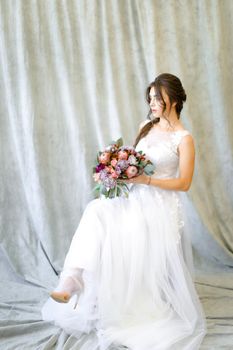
(156, 105)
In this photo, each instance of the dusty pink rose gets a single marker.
(114, 175)
(122, 155)
(131, 171)
(114, 162)
(104, 157)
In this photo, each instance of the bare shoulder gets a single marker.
(187, 143)
(186, 138)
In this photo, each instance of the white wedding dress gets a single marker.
(138, 292)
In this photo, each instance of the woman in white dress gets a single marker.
(125, 277)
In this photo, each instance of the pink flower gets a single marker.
(109, 169)
(122, 155)
(131, 171)
(104, 157)
(114, 175)
(114, 162)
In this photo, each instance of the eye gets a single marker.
(156, 96)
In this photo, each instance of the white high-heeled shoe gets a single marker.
(66, 289)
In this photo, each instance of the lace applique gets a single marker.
(176, 139)
(181, 222)
(177, 217)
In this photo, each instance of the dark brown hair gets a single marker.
(175, 91)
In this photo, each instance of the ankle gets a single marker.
(70, 285)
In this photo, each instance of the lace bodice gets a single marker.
(161, 148)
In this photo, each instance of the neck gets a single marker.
(170, 121)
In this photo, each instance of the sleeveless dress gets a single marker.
(138, 292)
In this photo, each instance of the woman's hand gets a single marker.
(140, 179)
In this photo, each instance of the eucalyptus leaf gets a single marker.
(97, 187)
(103, 189)
(118, 191)
(149, 167)
(119, 142)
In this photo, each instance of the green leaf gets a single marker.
(142, 164)
(96, 190)
(119, 142)
(111, 193)
(149, 168)
(97, 187)
(118, 192)
(125, 186)
(103, 189)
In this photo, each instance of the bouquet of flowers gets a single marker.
(116, 163)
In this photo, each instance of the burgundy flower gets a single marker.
(99, 167)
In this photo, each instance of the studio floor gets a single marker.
(21, 326)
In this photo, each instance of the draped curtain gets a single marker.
(73, 78)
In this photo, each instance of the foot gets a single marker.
(60, 297)
(66, 289)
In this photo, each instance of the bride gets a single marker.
(125, 276)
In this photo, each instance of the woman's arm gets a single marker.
(186, 151)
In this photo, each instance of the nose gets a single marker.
(152, 101)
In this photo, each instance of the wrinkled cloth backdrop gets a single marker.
(73, 77)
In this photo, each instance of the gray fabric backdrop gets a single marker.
(73, 77)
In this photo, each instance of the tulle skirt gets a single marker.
(138, 291)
